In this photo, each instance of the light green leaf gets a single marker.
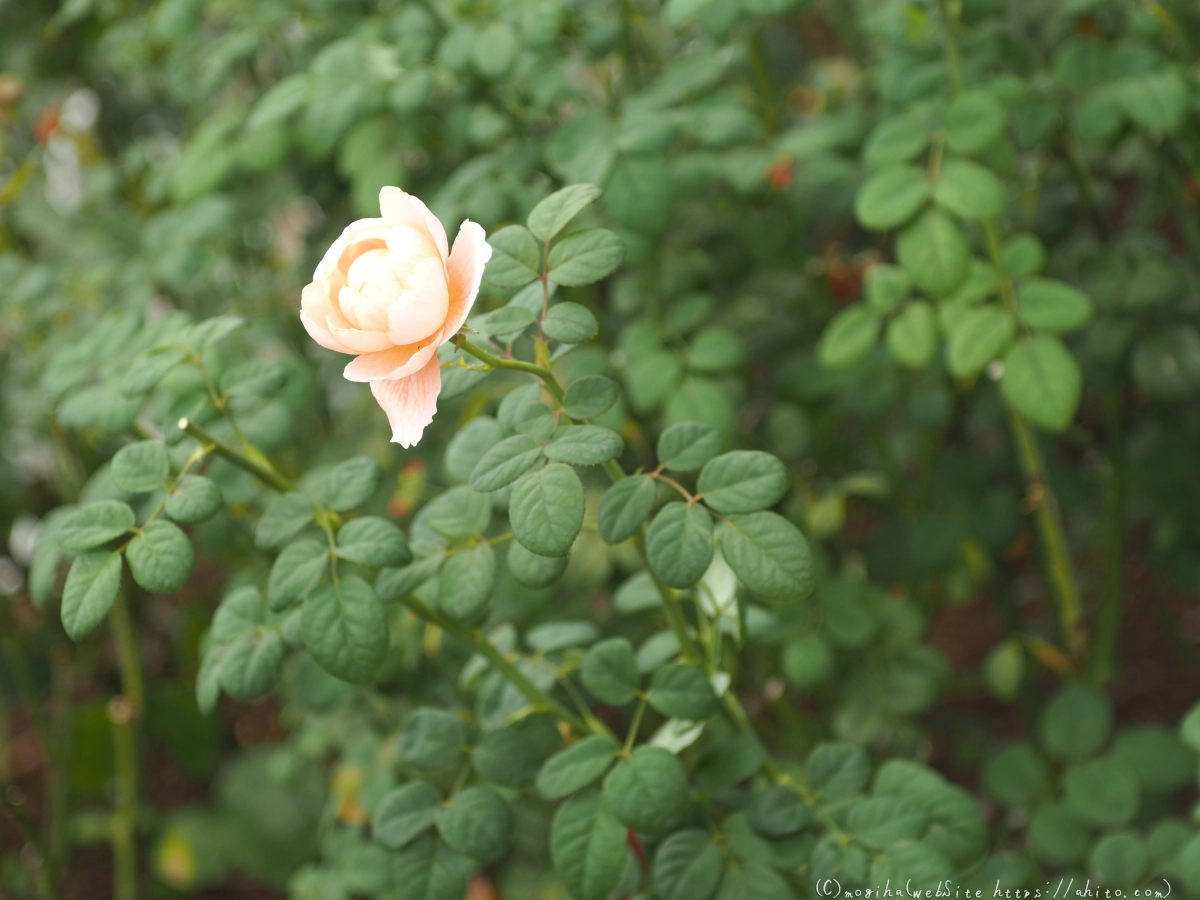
(1043, 382)
(465, 584)
(969, 190)
(345, 629)
(584, 445)
(92, 585)
(682, 692)
(546, 510)
(585, 256)
(373, 541)
(896, 139)
(516, 258)
(977, 337)
(1103, 792)
(149, 369)
(1155, 100)
(460, 513)
(1051, 305)
(973, 122)
(404, 814)
(849, 336)
(551, 636)
(769, 554)
(570, 323)
(886, 287)
(590, 396)
(742, 481)
(1076, 722)
(588, 847)
(532, 570)
(250, 665)
(686, 446)
(912, 335)
(555, 212)
(610, 671)
(140, 468)
(625, 507)
(679, 544)
(395, 584)
(891, 197)
(469, 445)
(94, 524)
(285, 517)
(296, 571)
(346, 484)
(505, 462)
(934, 252)
(161, 558)
(194, 499)
(576, 767)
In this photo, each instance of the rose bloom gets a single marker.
(390, 292)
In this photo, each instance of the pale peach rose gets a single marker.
(389, 291)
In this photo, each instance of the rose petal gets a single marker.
(399, 208)
(361, 341)
(470, 254)
(396, 362)
(358, 230)
(410, 402)
(314, 314)
(421, 309)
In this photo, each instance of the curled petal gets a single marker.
(399, 208)
(315, 310)
(421, 308)
(358, 230)
(396, 362)
(410, 402)
(470, 254)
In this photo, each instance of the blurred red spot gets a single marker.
(780, 173)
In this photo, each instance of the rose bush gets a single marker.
(809, 502)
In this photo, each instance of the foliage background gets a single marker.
(997, 611)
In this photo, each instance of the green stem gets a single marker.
(498, 362)
(259, 470)
(1108, 624)
(127, 653)
(953, 56)
(485, 648)
(631, 737)
(121, 713)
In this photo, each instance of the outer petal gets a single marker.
(422, 307)
(399, 208)
(470, 254)
(360, 229)
(384, 365)
(410, 402)
(315, 309)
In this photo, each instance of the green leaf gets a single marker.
(610, 671)
(715, 349)
(1057, 835)
(92, 585)
(1119, 858)
(648, 791)
(431, 739)
(588, 847)
(1103, 792)
(969, 190)
(934, 253)
(1161, 760)
(1076, 722)
(1023, 255)
(465, 584)
(849, 337)
(1156, 100)
(687, 866)
(250, 666)
(345, 629)
(239, 614)
(161, 558)
(395, 584)
(977, 337)
(1051, 305)
(551, 636)
(879, 822)
(458, 514)
(837, 770)
(546, 510)
(892, 197)
(373, 541)
(779, 811)
(625, 507)
(141, 468)
(346, 484)
(590, 396)
(149, 369)
(679, 544)
(256, 378)
(743, 481)
(204, 334)
(912, 335)
(469, 445)
(769, 554)
(296, 571)
(516, 257)
(584, 445)
(194, 499)
(404, 814)
(753, 880)
(679, 12)
(1016, 776)
(532, 570)
(686, 446)
(1043, 382)
(477, 823)
(576, 767)
(682, 692)
(512, 757)
(430, 870)
(555, 212)
(584, 257)
(973, 122)
(570, 323)
(896, 139)
(95, 524)
(886, 287)
(285, 517)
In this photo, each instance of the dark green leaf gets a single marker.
(286, 516)
(610, 671)
(194, 499)
(372, 541)
(430, 870)
(140, 468)
(585, 256)
(296, 571)
(546, 510)
(511, 757)
(588, 847)
(648, 792)
(555, 212)
(686, 446)
(569, 323)
(682, 692)
(590, 396)
(161, 558)
(346, 484)
(679, 544)
(532, 570)
(625, 507)
(516, 257)
(477, 823)
(742, 481)
(576, 767)
(431, 739)
(345, 629)
(584, 445)
(465, 584)
(769, 554)
(687, 866)
(404, 814)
